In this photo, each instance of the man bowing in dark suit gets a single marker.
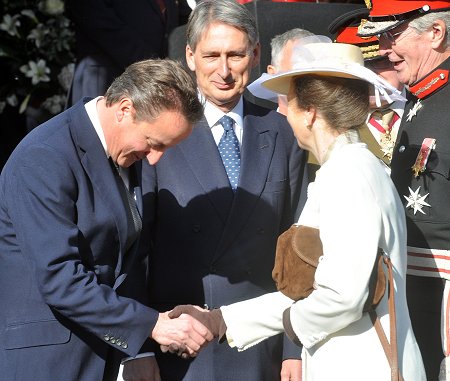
(70, 219)
(224, 196)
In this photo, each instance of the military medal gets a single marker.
(387, 140)
(419, 166)
(413, 112)
(416, 201)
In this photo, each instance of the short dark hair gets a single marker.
(154, 86)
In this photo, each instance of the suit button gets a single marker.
(119, 343)
(196, 228)
(260, 231)
(113, 340)
(401, 149)
(124, 345)
(106, 337)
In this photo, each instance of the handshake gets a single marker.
(187, 329)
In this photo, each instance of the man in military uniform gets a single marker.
(383, 122)
(414, 35)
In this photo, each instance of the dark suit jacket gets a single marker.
(213, 247)
(63, 228)
(112, 34)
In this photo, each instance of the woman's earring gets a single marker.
(307, 125)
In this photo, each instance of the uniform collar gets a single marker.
(432, 82)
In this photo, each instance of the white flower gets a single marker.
(52, 7)
(65, 76)
(29, 13)
(37, 71)
(38, 35)
(12, 100)
(54, 104)
(10, 25)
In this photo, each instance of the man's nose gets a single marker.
(223, 69)
(154, 156)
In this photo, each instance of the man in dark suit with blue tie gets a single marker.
(70, 219)
(223, 198)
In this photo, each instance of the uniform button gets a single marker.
(106, 337)
(260, 231)
(124, 345)
(206, 307)
(401, 149)
(113, 340)
(119, 343)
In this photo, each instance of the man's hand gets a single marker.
(184, 332)
(291, 370)
(142, 369)
(212, 320)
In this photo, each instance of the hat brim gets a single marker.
(372, 28)
(280, 83)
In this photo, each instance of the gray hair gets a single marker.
(228, 12)
(279, 42)
(154, 86)
(423, 23)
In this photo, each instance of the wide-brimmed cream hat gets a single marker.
(324, 59)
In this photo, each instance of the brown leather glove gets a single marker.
(212, 320)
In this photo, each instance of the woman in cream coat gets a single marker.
(357, 210)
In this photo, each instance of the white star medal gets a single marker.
(416, 201)
(413, 112)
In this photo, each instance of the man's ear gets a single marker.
(124, 109)
(271, 69)
(439, 34)
(190, 58)
(255, 55)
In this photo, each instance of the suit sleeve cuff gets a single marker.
(288, 327)
(291, 351)
(139, 356)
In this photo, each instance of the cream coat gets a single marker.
(356, 207)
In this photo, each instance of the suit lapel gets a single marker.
(207, 167)
(98, 170)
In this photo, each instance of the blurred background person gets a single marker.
(281, 47)
(112, 34)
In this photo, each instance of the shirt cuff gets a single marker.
(138, 356)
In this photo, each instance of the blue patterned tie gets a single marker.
(229, 151)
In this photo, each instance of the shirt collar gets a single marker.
(213, 114)
(91, 109)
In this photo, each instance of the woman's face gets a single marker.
(297, 120)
